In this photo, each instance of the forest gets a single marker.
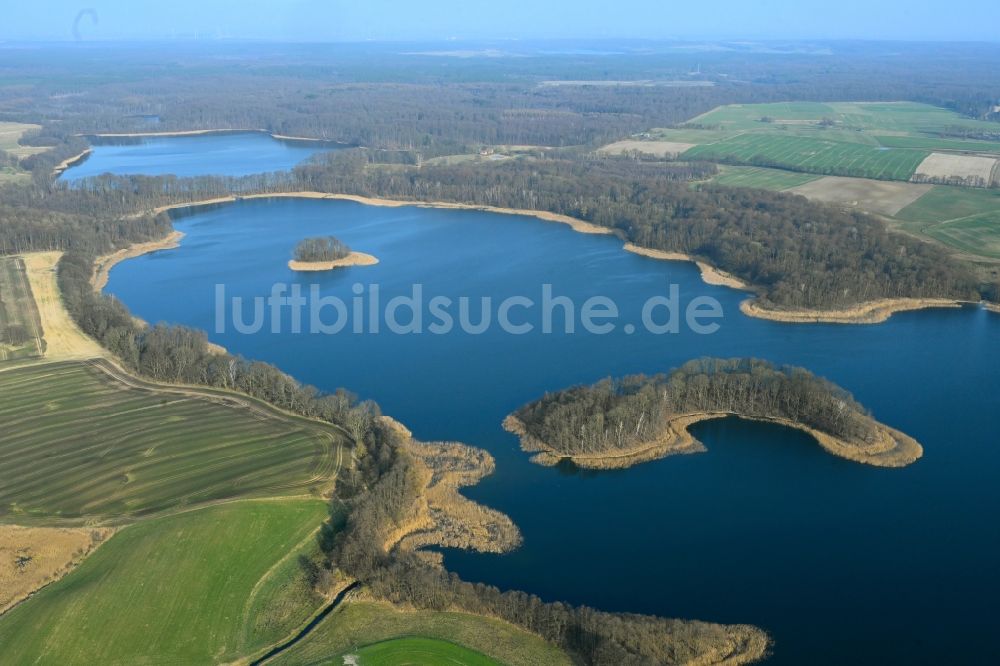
(622, 414)
(797, 253)
(326, 248)
(404, 577)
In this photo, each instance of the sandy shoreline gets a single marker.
(70, 161)
(871, 312)
(153, 135)
(353, 259)
(892, 448)
(709, 274)
(577, 225)
(104, 264)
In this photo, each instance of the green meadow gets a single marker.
(193, 585)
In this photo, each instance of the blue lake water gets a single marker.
(841, 562)
(227, 154)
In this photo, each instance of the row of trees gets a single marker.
(798, 253)
(182, 355)
(620, 414)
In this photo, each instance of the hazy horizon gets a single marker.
(471, 20)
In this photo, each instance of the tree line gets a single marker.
(622, 414)
(403, 577)
(799, 254)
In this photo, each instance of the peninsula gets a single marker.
(618, 423)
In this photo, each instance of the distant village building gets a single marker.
(486, 152)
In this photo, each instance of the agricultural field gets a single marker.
(181, 585)
(885, 141)
(812, 155)
(357, 624)
(80, 445)
(963, 218)
(761, 177)
(881, 197)
(10, 135)
(418, 652)
(20, 326)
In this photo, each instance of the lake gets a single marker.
(229, 154)
(841, 562)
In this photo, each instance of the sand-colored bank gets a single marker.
(104, 264)
(33, 557)
(233, 130)
(709, 274)
(353, 259)
(872, 312)
(891, 447)
(577, 225)
(63, 338)
(71, 161)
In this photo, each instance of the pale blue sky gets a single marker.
(355, 20)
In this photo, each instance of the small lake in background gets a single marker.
(223, 154)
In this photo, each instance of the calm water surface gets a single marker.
(229, 154)
(841, 562)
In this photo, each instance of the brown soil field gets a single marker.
(658, 148)
(32, 557)
(946, 165)
(873, 196)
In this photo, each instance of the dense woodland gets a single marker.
(325, 248)
(621, 414)
(798, 253)
(598, 638)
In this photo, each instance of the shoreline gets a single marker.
(893, 448)
(104, 263)
(709, 274)
(353, 259)
(202, 132)
(577, 225)
(869, 312)
(69, 162)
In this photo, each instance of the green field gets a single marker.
(812, 155)
(355, 625)
(78, 445)
(419, 652)
(879, 118)
(935, 143)
(963, 218)
(884, 140)
(761, 177)
(20, 328)
(172, 590)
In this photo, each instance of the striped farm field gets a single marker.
(82, 444)
(762, 178)
(20, 327)
(977, 234)
(177, 589)
(812, 155)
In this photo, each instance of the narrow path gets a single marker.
(309, 627)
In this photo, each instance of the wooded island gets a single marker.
(621, 422)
